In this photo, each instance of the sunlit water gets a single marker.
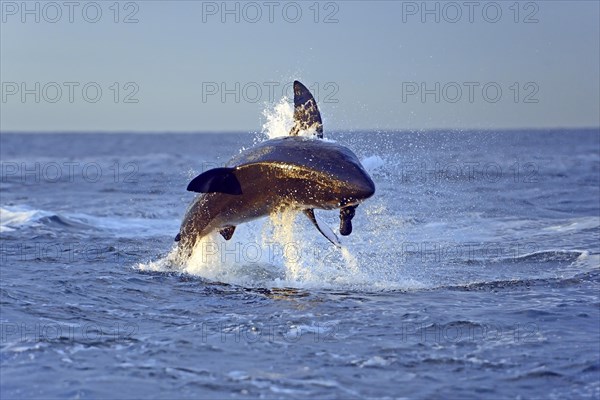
(472, 272)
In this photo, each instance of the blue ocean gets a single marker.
(473, 272)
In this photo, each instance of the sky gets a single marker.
(203, 66)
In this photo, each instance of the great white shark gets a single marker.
(293, 172)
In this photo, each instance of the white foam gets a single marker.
(14, 217)
(129, 226)
(372, 163)
(575, 224)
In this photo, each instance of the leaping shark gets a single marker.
(293, 172)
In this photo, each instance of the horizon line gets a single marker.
(213, 132)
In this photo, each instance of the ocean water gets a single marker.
(473, 272)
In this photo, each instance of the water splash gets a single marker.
(283, 233)
(279, 119)
(283, 250)
(373, 164)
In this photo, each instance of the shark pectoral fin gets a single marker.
(220, 180)
(323, 228)
(306, 112)
(227, 232)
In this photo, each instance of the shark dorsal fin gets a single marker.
(306, 112)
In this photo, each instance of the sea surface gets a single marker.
(473, 272)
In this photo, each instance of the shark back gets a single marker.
(311, 154)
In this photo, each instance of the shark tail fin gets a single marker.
(306, 112)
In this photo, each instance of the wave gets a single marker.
(11, 218)
(548, 256)
(14, 218)
(575, 224)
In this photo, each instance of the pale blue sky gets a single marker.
(368, 61)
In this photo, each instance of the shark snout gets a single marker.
(360, 189)
(365, 188)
